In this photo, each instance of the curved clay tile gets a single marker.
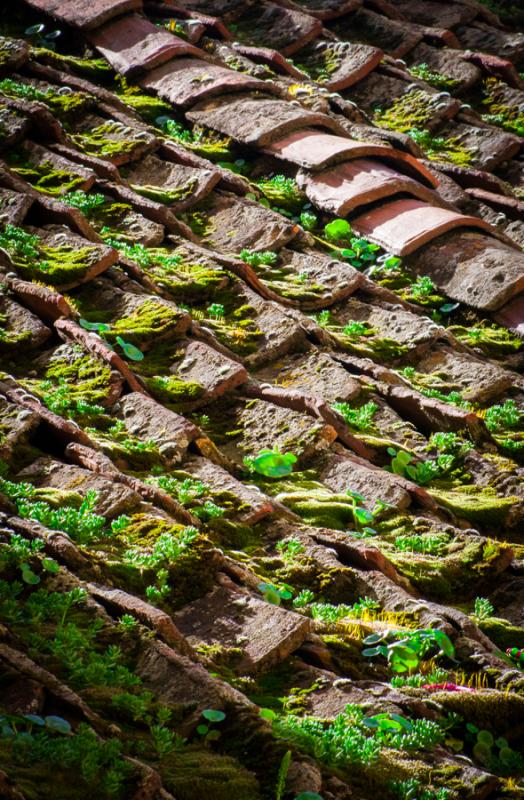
(316, 150)
(87, 14)
(190, 80)
(132, 43)
(258, 120)
(322, 9)
(402, 226)
(358, 182)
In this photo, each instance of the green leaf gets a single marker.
(58, 724)
(309, 796)
(34, 719)
(202, 729)
(28, 576)
(267, 713)
(100, 327)
(213, 715)
(370, 652)
(445, 643)
(373, 638)
(50, 565)
(485, 738)
(273, 464)
(130, 350)
(338, 229)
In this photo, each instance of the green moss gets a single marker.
(502, 632)
(413, 110)
(96, 68)
(106, 140)
(44, 176)
(73, 382)
(510, 118)
(10, 337)
(491, 339)
(440, 148)
(171, 389)
(481, 505)
(149, 320)
(204, 774)
(166, 196)
(60, 100)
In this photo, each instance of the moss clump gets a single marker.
(510, 118)
(166, 196)
(491, 339)
(413, 110)
(481, 505)
(502, 632)
(62, 101)
(440, 148)
(62, 265)
(95, 68)
(107, 140)
(173, 390)
(202, 773)
(73, 382)
(10, 337)
(44, 176)
(232, 324)
(150, 320)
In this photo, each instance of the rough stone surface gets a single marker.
(275, 26)
(112, 498)
(235, 223)
(14, 206)
(264, 633)
(341, 474)
(353, 62)
(392, 322)
(198, 362)
(473, 269)
(190, 183)
(255, 505)
(315, 373)
(395, 38)
(483, 37)
(334, 280)
(477, 381)
(489, 146)
(448, 62)
(23, 329)
(148, 419)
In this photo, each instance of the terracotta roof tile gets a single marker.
(132, 43)
(512, 316)
(395, 38)
(316, 150)
(188, 80)
(402, 226)
(358, 182)
(323, 9)
(479, 36)
(259, 120)
(87, 14)
(348, 62)
(273, 25)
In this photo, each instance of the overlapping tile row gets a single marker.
(247, 436)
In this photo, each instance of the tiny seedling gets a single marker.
(101, 328)
(272, 594)
(205, 729)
